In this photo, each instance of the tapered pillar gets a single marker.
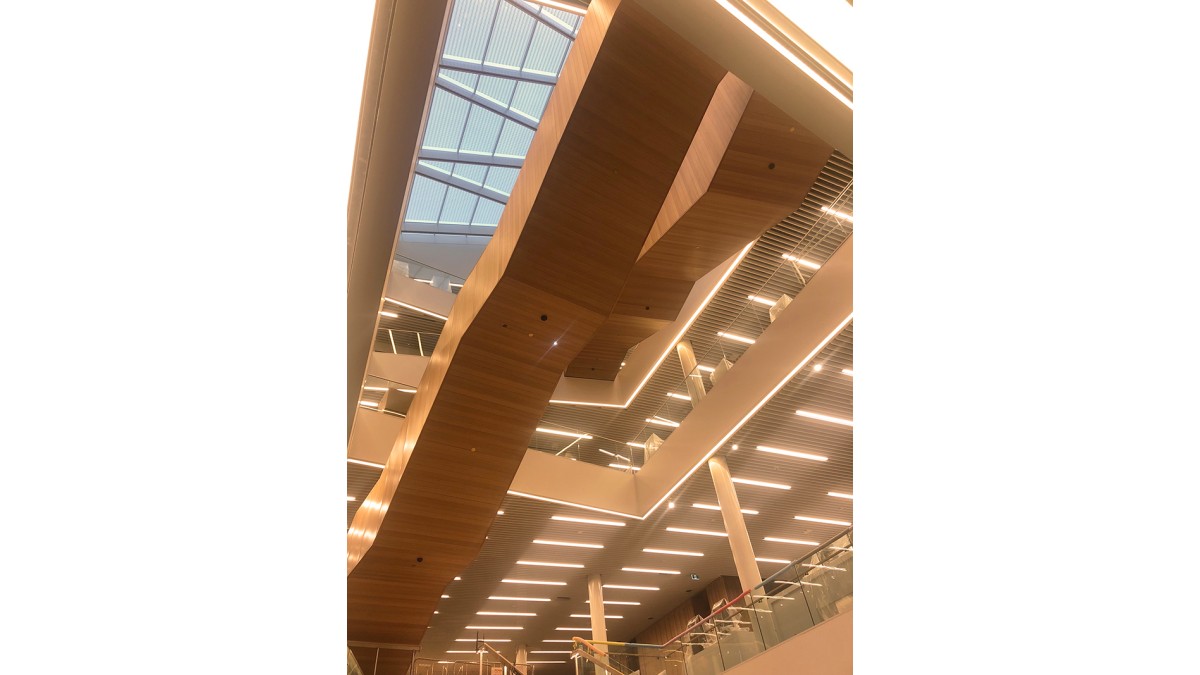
(695, 381)
(735, 525)
(522, 659)
(596, 603)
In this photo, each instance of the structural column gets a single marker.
(695, 381)
(522, 659)
(735, 525)
(596, 602)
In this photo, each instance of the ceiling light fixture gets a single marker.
(793, 453)
(713, 507)
(566, 543)
(613, 454)
(375, 388)
(825, 418)
(774, 560)
(580, 630)
(583, 616)
(667, 551)
(801, 261)
(364, 463)
(824, 567)
(661, 422)
(735, 338)
(516, 599)
(572, 504)
(817, 367)
(843, 495)
(625, 466)
(489, 640)
(761, 300)
(681, 397)
(615, 602)
(847, 371)
(761, 483)
(801, 542)
(369, 404)
(590, 521)
(506, 613)
(636, 445)
(839, 214)
(556, 432)
(495, 628)
(548, 564)
(632, 588)
(415, 308)
(390, 315)
(648, 571)
(530, 581)
(350, 499)
(685, 530)
(705, 369)
(822, 520)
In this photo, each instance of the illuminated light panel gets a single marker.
(556, 432)
(774, 560)
(685, 530)
(681, 397)
(839, 214)
(713, 507)
(706, 369)
(499, 513)
(823, 520)
(548, 564)
(530, 581)
(667, 551)
(445, 597)
(761, 300)
(375, 388)
(735, 338)
(785, 52)
(632, 588)
(506, 614)
(585, 616)
(350, 499)
(568, 641)
(648, 570)
(847, 371)
(801, 542)
(661, 422)
(415, 308)
(369, 404)
(793, 453)
(390, 315)
(614, 602)
(761, 483)
(551, 542)
(801, 261)
(489, 640)
(824, 567)
(494, 627)
(625, 466)
(843, 495)
(581, 630)
(635, 445)
(458, 578)
(825, 418)
(516, 599)
(590, 521)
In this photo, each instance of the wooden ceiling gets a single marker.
(749, 166)
(614, 135)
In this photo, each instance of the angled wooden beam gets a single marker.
(749, 166)
(615, 132)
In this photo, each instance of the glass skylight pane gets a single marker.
(426, 199)
(487, 213)
(509, 37)
(547, 50)
(514, 140)
(499, 89)
(502, 178)
(482, 129)
(446, 118)
(459, 78)
(459, 206)
(471, 172)
(567, 20)
(468, 30)
(530, 99)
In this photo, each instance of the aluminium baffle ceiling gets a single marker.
(615, 190)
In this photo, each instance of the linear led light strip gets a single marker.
(801, 542)
(494, 627)
(661, 422)
(667, 551)
(489, 640)
(825, 418)
(793, 453)
(822, 520)
(506, 614)
(517, 599)
(847, 371)
(843, 495)
(671, 347)
(631, 588)
(685, 530)
(530, 581)
(626, 466)
(774, 560)
(681, 397)
(572, 504)
(590, 521)
(613, 602)
(801, 261)
(369, 404)
(839, 214)
(583, 616)
(365, 463)
(548, 564)
(415, 308)
(761, 300)
(761, 483)
(556, 432)
(648, 570)
(785, 52)
(735, 338)
(566, 543)
(737, 427)
(714, 507)
(613, 454)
